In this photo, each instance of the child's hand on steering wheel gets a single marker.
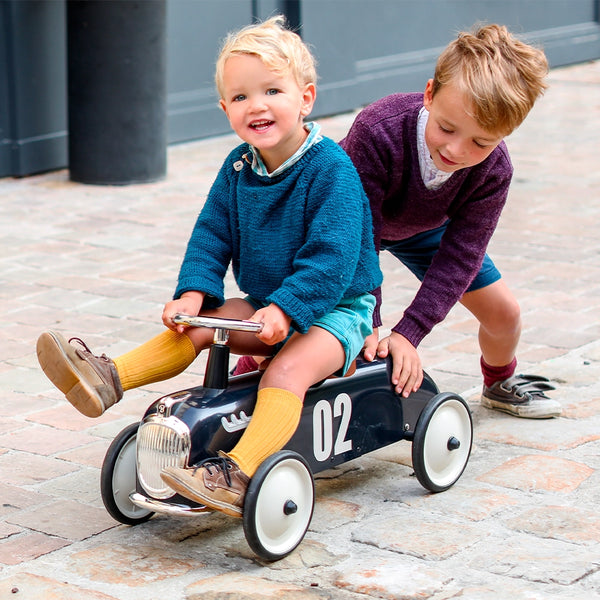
(190, 303)
(276, 324)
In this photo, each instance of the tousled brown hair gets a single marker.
(501, 76)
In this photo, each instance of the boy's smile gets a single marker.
(261, 125)
(265, 108)
(453, 137)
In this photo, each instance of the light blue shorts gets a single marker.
(350, 322)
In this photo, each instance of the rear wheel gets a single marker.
(442, 442)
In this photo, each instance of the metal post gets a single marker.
(116, 91)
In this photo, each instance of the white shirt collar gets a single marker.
(433, 178)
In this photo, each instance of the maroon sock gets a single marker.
(244, 365)
(493, 374)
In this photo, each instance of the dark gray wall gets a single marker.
(33, 109)
(194, 31)
(365, 48)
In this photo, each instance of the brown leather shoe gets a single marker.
(90, 383)
(216, 482)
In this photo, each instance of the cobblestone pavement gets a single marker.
(521, 523)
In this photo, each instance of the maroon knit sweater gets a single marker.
(382, 143)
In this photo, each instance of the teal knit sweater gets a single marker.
(302, 240)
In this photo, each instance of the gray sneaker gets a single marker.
(90, 383)
(522, 396)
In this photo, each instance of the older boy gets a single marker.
(437, 173)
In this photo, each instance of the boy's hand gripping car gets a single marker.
(342, 419)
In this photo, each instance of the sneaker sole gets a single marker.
(61, 371)
(524, 411)
(188, 492)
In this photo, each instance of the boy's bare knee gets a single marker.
(503, 319)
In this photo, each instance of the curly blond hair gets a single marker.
(501, 76)
(280, 49)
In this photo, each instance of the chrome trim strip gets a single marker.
(175, 510)
(170, 422)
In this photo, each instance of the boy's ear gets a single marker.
(222, 105)
(428, 94)
(309, 94)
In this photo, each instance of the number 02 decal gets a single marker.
(323, 434)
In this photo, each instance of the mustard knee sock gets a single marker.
(273, 423)
(162, 357)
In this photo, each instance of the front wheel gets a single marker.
(442, 442)
(279, 505)
(119, 476)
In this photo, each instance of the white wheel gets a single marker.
(279, 505)
(442, 442)
(118, 478)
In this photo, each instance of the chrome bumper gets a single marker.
(165, 508)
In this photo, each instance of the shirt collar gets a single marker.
(314, 137)
(433, 178)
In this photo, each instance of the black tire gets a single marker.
(118, 479)
(442, 442)
(279, 505)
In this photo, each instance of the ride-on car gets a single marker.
(342, 419)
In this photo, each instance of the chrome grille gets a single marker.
(161, 442)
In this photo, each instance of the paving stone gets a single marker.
(570, 524)
(236, 586)
(27, 469)
(547, 435)
(535, 559)
(35, 587)
(310, 554)
(539, 473)
(6, 530)
(387, 578)
(91, 455)
(82, 485)
(475, 504)
(516, 591)
(132, 566)
(27, 546)
(14, 498)
(7, 425)
(17, 379)
(64, 518)
(44, 440)
(423, 537)
(66, 417)
(330, 513)
(581, 409)
(591, 585)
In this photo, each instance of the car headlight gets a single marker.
(161, 442)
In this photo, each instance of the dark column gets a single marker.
(116, 90)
